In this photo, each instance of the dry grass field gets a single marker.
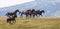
(31, 23)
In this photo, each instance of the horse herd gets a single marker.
(28, 13)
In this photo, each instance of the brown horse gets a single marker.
(28, 12)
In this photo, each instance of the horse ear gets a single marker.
(17, 9)
(43, 11)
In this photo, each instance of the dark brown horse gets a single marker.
(38, 12)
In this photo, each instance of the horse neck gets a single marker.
(15, 12)
(41, 12)
(32, 11)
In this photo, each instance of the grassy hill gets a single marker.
(31, 23)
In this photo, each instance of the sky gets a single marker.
(6, 3)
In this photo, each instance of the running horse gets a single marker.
(27, 13)
(11, 16)
(38, 12)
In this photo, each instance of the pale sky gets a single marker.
(6, 3)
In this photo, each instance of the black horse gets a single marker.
(40, 12)
(11, 16)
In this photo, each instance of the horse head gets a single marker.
(29, 10)
(20, 12)
(17, 10)
(33, 10)
(43, 11)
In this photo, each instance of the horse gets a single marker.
(11, 16)
(25, 13)
(12, 13)
(28, 13)
(11, 19)
(15, 12)
(38, 12)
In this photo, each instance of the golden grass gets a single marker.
(31, 23)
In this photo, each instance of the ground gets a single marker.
(31, 23)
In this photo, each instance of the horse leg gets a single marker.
(30, 15)
(14, 21)
(15, 15)
(26, 15)
(33, 15)
(8, 21)
(21, 15)
(40, 15)
(36, 15)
